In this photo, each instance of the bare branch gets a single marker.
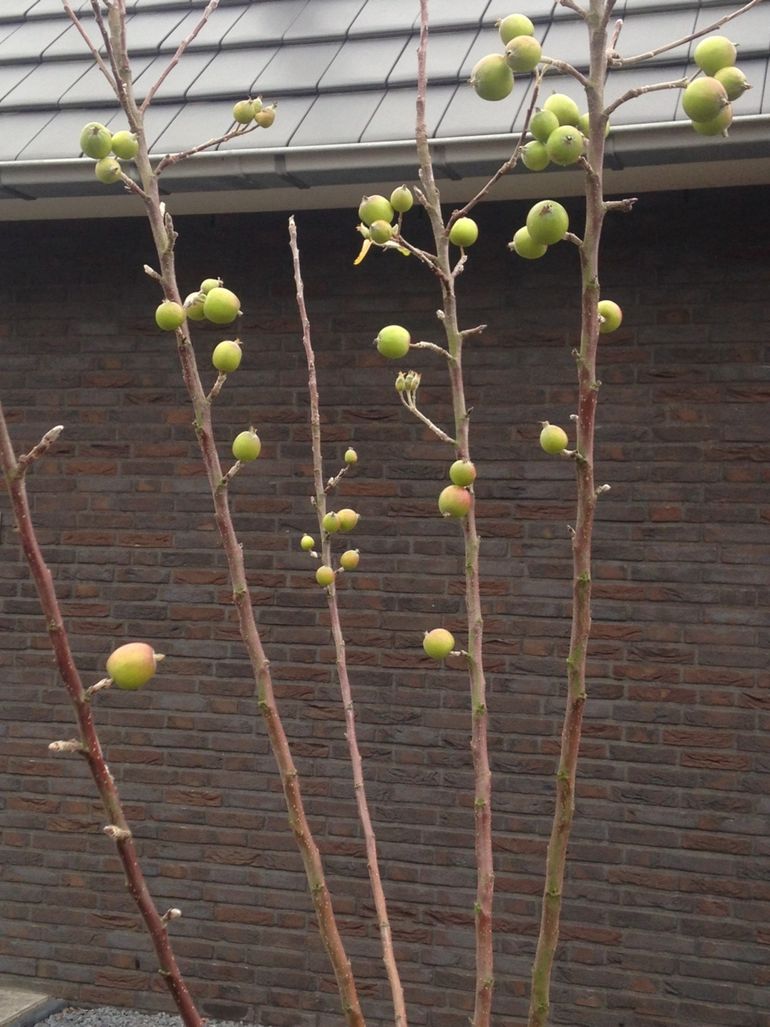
(410, 405)
(175, 158)
(38, 450)
(616, 61)
(573, 6)
(210, 8)
(432, 345)
(624, 206)
(631, 94)
(93, 49)
(565, 69)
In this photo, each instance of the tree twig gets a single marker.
(209, 10)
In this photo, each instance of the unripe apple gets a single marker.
(547, 222)
(464, 232)
(734, 81)
(380, 231)
(350, 559)
(221, 306)
(306, 543)
(542, 123)
(714, 53)
(553, 439)
(324, 575)
(351, 457)
(125, 145)
(193, 306)
(492, 78)
(330, 523)
(454, 501)
(401, 199)
(534, 155)
(565, 145)
(514, 25)
(95, 140)
(247, 446)
(132, 665)
(227, 354)
(208, 284)
(462, 472)
(243, 112)
(612, 316)
(564, 107)
(393, 342)
(523, 54)
(107, 170)
(703, 99)
(265, 116)
(525, 245)
(375, 208)
(169, 315)
(348, 518)
(717, 126)
(438, 643)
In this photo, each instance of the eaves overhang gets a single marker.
(643, 157)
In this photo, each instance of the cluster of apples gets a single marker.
(493, 76)
(252, 109)
(707, 101)
(332, 523)
(97, 142)
(211, 302)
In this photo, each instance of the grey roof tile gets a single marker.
(15, 8)
(17, 129)
(537, 10)
(11, 75)
(341, 115)
(395, 117)
(459, 14)
(46, 83)
(317, 21)
(47, 8)
(30, 39)
(297, 68)
(219, 24)
(60, 135)
(642, 110)
(264, 22)
(93, 87)
(157, 120)
(230, 72)
(642, 32)
(446, 54)
(360, 62)
(385, 16)
(468, 115)
(177, 83)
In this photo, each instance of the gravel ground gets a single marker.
(111, 1016)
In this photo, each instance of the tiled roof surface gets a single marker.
(343, 73)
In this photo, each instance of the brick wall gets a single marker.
(667, 909)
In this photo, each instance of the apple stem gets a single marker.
(319, 501)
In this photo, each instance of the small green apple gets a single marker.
(169, 315)
(380, 231)
(243, 112)
(438, 643)
(347, 518)
(108, 170)
(351, 457)
(464, 232)
(492, 78)
(401, 199)
(564, 107)
(612, 316)
(393, 342)
(324, 575)
(714, 53)
(125, 145)
(350, 559)
(132, 665)
(227, 354)
(553, 439)
(221, 306)
(703, 99)
(462, 472)
(375, 208)
(542, 123)
(534, 155)
(547, 222)
(306, 543)
(454, 501)
(525, 245)
(514, 25)
(523, 54)
(247, 446)
(95, 140)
